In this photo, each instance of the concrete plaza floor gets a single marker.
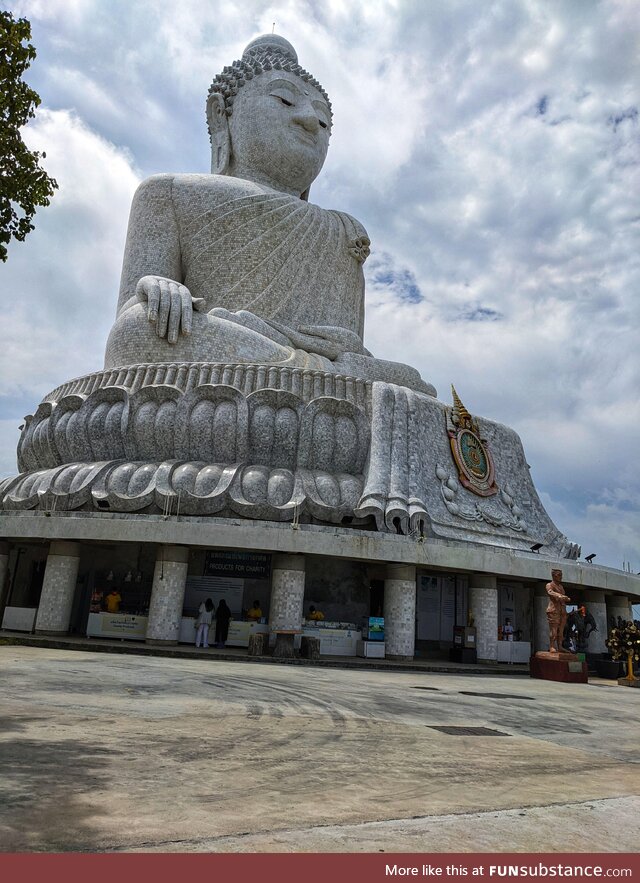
(104, 752)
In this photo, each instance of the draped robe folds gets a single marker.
(280, 280)
(274, 255)
(263, 261)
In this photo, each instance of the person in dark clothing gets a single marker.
(223, 616)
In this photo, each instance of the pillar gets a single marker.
(287, 601)
(287, 593)
(483, 606)
(540, 621)
(4, 574)
(596, 606)
(617, 605)
(399, 611)
(167, 595)
(58, 588)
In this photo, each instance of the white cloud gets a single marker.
(60, 284)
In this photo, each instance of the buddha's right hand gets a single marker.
(170, 305)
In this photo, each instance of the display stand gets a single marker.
(565, 667)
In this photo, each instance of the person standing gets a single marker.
(203, 623)
(113, 601)
(223, 617)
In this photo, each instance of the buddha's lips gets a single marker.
(307, 137)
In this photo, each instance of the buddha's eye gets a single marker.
(323, 124)
(285, 101)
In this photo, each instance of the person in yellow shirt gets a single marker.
(314, 614)
(113, 601)
(254, 613)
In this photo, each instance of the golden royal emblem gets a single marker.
(470, 452)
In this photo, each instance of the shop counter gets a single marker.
(370, 649)
(239, 631)
(333, 641)
(117, 625)
(19, 619)
(514, 651)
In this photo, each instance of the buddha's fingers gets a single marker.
(165, 307)
(150, 289)
(175, 312)
(186, 320)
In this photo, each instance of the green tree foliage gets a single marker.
(23, 183)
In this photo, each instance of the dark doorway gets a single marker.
(36, 579)
(376, 598)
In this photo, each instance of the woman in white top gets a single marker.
(203, 623)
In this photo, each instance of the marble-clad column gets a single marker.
(596, 606)
(58, 588)
(400, 611)
(287, 593)
(167, 595)
(617, 605)
(540, 621)
(483, 606)
(4, 574)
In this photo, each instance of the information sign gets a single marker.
(241, 565)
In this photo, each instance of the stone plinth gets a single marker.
(628, 682)
(58, 588)
(167, 595)
(483, 606)
(564, 667)
(400, 612)
(270, 443)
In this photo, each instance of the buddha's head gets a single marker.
(269, 120)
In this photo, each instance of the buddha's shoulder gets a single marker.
(178, 186)
(353, 228)
(181, 187)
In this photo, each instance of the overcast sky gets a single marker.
(490, 148)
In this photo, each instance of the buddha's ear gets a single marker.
(219, 130)
(305, 195)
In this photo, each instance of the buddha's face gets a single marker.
(279, 130)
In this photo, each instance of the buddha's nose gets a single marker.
(306, 117)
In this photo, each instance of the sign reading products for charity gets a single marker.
(238, 565)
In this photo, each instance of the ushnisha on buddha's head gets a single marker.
(269, 120)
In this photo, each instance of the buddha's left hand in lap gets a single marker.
(329, 341)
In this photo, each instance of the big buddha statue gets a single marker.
(236, 381)
(238, 266)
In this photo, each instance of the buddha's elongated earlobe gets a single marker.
(219, 134)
